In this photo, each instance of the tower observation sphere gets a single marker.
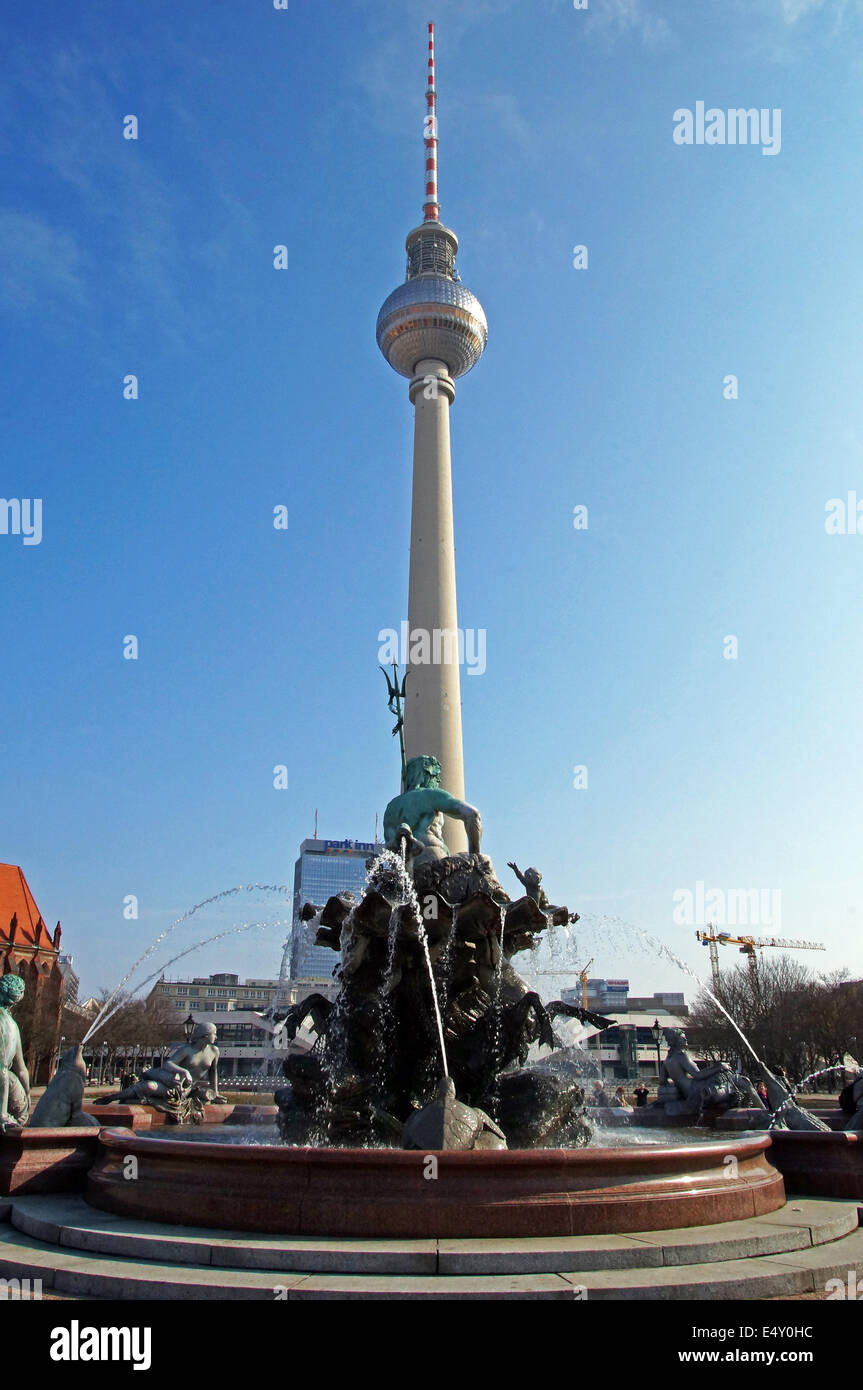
(432, 316)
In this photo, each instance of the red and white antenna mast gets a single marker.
(431, 207)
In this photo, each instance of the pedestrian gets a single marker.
(599, 1097)
(641, 1094)
(620, 1102)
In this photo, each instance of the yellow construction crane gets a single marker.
(749, 946)
(582, 974)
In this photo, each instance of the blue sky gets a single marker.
(601, 387)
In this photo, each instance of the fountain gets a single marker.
(419, 1113)
(430, 926)
(424, 1052)
(417, 1116)
(418, 1128)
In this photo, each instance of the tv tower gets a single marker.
(431, 330)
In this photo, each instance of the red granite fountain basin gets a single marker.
(35, 1161)
(820, 1165)
(146, 1117)
(394, 1194)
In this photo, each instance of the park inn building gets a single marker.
(323, 869)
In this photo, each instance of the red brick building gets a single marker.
(27, 949)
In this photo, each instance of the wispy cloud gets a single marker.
(794, 10)
(835, 12)
(78, 166)
(94, 221)
(39, 263)
(507, 118)
(785, 31)
(612, 20)
(389, 84)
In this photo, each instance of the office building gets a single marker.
(323, 869)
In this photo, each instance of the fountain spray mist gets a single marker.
(207, 902)
(665, 951)
(659, 948)
(104, 1018)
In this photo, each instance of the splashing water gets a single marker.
(444, 963)
(670, 955)
(104, 1018)
(424, 941)
(657, 947)
(776, 1114)
(197, 907)
(438, 1020)
(825, 1071)
(392, 941)
(396, 863)
(497, 1014)
(281, 993)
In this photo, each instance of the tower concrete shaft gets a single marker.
(433, 687)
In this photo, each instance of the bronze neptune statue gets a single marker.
(429, 1035)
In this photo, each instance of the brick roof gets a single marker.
(17, 900)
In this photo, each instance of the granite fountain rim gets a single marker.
(615, 1157)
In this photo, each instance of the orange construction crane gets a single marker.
(749, 946)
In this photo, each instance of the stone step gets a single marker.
(801, 1225)
(65, 1272)
(68, 1221)
(75, 1273)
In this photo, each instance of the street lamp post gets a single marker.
(189, 1027)
(656, 1030)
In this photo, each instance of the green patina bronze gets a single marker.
(396, 694)
(14, 1079)
(420, 809)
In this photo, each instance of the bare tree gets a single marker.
(792, 1018)
(137, 1026)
